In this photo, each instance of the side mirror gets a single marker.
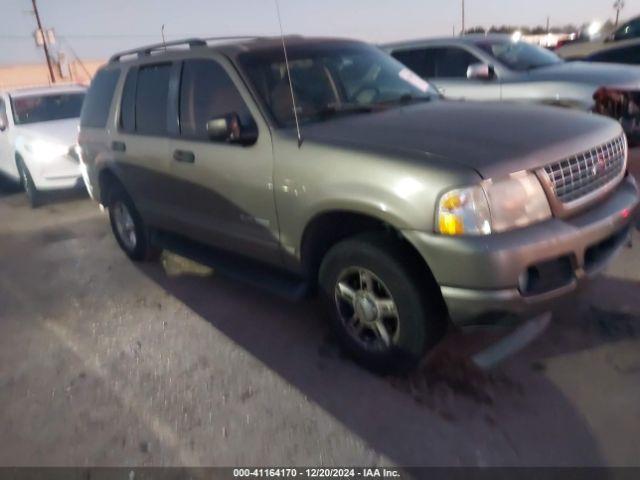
(481, 71)
(227, 128)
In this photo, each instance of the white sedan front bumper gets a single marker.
(54, 172)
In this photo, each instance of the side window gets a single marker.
(417, 60)
(152, 95)
(97, 103)
(451, 62)
(206, 92)
(128, 103)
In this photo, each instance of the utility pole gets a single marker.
(463, 26)
(618, 5)
(44, 41)
(548, 24)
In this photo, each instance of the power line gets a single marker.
(73, 52)
(44, 40)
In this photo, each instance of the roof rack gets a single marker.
(190, 42)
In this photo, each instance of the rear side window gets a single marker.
(96, 106)
(152, 93)
(417, 61)
(450, 62)
(207, 92)
(437, 62)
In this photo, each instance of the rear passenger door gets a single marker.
(141, 144)
(223, 192)
(446, 67)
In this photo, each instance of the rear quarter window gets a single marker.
(95, 110)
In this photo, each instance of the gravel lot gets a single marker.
(103, 362)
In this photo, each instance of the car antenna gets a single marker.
(286, 62)
(164, 43)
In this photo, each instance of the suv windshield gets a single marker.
(520, 56)
(46, 108)
(331, 79)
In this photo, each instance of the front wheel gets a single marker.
(384, 312)
(34, 196)
(128, 227)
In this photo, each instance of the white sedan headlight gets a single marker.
(41, 149)
(494, 206)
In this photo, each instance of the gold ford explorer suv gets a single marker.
(404, 210)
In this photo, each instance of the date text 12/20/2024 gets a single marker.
(316, 472)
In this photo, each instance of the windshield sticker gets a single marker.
(410, 77)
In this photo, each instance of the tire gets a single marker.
(357, 279)
(128, 227)
(27, 183)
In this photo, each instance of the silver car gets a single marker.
(499, 67)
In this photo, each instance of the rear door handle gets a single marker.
(118, 147)
(184, 156)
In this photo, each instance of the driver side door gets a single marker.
(222, 193)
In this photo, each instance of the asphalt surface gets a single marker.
(105, 362)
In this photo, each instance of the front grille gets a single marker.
(577, 176)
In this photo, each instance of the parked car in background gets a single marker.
(38, 137)
(404, 210)
(498, 67)
(619, 38)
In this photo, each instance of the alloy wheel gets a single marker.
(367, 309)
(125, 225)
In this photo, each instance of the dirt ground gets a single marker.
(104, 362)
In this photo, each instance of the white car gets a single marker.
(38, 137)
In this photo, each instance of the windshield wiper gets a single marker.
(405, 99)
(343, 109)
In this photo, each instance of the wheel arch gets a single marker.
(107, 178)
(328, 228)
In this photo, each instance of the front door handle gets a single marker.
(184, 156)
(118, 146)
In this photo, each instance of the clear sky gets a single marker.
(96, 28)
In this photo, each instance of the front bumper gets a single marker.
(487, 279)
(55, 173)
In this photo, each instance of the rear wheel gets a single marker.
(383, 311)
(34, 196)
(128, 227)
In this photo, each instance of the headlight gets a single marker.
(493, 206)
(45, 150)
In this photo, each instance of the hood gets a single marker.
(596, 74)
(494, 139)
(63, 132)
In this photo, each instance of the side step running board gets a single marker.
(236, 267)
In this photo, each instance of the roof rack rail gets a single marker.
(190, 42)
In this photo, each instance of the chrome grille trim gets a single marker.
(578, 179)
